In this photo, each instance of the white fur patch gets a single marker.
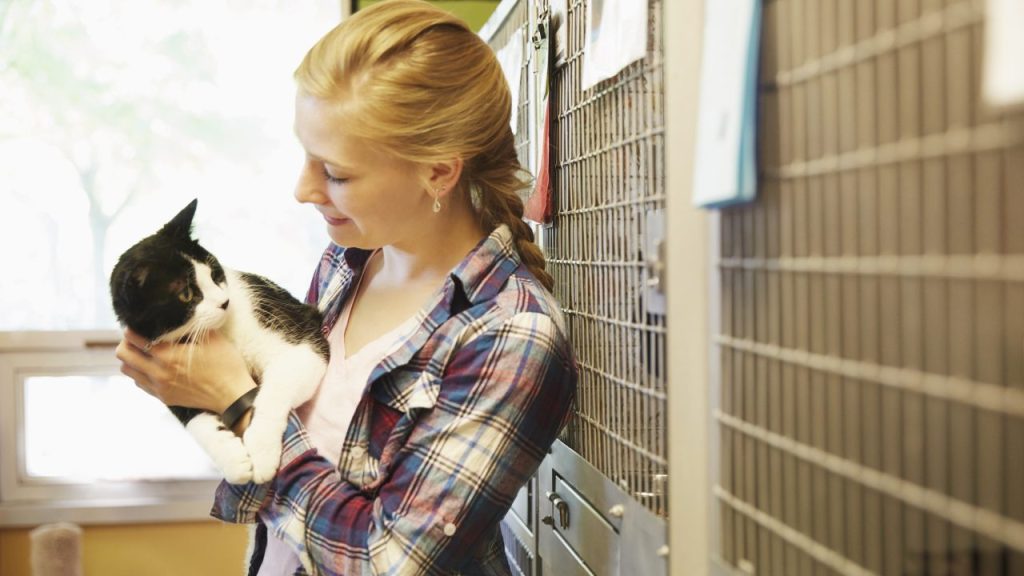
(208, 314)
(291, 374)
(223, 447)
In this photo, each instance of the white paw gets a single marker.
(224, 448)
(239, 471)
(264, 446)
(264, 465)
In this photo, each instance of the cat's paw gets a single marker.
(264, 465)
(225, 449)
(264, 446)
(238, 470)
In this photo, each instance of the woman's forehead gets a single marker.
(322, 133)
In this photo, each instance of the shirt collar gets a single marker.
(483, 272)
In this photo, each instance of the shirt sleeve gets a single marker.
(502, 400)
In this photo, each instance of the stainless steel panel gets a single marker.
(609, 530)
(587, 532)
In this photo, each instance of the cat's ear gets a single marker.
(181, 225)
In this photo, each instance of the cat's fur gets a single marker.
(168, 288)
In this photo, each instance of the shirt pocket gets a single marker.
(405, 397)
(407, 391)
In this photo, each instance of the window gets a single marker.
(116, 115)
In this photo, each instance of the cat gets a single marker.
(168, 288)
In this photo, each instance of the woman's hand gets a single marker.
(209, 375)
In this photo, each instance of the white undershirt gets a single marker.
(328, 415)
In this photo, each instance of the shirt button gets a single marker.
(449, 529)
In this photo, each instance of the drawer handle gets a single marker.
(562, 507)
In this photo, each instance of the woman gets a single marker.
(450, 372)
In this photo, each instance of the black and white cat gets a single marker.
(168, 288)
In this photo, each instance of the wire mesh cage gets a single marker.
(512, 28)
(871, 407)
(609, 187)
(609, 192)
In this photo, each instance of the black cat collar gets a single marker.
(238, 408)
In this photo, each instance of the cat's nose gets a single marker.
(224, 306)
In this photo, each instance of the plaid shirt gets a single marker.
(452, 425)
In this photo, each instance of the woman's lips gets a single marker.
(334, 221)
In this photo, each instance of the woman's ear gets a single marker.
(443, 176)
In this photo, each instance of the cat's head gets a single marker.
(167, 286)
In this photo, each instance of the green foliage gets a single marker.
(474, 12)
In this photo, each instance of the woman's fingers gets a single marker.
(136, 340)
(141, 380)
(128, 353)
(147, 371)
(207, 374)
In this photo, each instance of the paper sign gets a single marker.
(725, 169)
(511, 59)
(616, 37)
(1004, 53)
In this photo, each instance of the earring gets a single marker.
(437, 201)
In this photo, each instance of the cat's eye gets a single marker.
(185, 295)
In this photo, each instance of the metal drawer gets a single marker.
(590, 526)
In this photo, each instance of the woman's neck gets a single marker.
(429, 255)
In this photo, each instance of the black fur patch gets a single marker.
(279, 311)
(148, 278)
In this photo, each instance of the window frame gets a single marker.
(28, 501)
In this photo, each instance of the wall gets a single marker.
(689, 298)
(193, 549)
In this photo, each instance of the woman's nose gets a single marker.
(311, 187)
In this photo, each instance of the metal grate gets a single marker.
(520, 559)
(510, 18)
(609, 186)
(871, 408)
(517, 21)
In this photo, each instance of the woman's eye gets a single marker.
(185, 295)
(333, 179)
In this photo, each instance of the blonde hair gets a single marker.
(415, 82)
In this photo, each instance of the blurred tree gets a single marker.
(119, 109)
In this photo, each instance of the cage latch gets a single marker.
(656, 268)
(563, 511)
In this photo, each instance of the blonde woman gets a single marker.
(450, 372)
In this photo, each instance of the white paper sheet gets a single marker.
(616, 37)
(725, 168)
(1004, 53)
(511, 59)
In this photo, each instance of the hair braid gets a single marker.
(499, 177)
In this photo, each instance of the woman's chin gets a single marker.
(344, 235)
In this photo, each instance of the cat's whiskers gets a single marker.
(194, 337)
(190, 340)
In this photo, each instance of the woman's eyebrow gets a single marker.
(335, 164)
(330, 162)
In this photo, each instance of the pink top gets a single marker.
(327, 415)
